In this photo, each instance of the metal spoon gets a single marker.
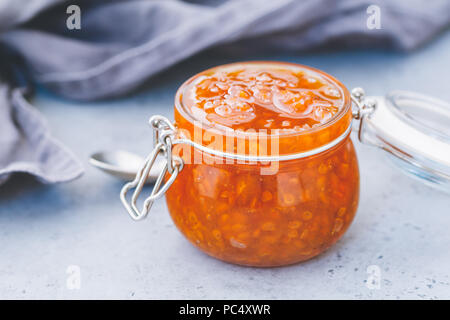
(124, 164)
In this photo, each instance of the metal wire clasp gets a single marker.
(163, 135)
(364, 107)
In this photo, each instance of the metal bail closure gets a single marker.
(364, 107)
(163, 133)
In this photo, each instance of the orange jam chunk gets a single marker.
(234, 212)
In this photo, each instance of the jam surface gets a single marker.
(274, 97)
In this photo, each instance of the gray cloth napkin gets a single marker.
(122, 43)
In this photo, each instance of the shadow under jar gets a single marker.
(264, 213)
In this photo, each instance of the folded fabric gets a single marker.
(26, 144)
(123, 43)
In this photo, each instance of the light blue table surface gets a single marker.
(402, 227)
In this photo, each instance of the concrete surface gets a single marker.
(401, 228)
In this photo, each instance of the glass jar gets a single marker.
(263, 197)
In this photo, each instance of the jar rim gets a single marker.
(346, 101)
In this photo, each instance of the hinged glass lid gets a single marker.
(415, 130)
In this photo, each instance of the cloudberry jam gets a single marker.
(237, 212)
(253, 98)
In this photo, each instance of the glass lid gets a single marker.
(415, 131)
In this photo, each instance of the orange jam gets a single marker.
(237, 212)
(249, 97)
